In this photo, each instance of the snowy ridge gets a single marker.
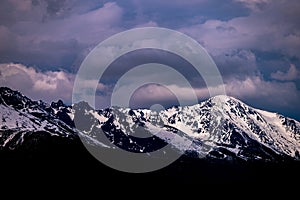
(225, 121)
(21, 118)
(221, 127)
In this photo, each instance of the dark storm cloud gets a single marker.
(135, 58)
(181, 12)
(230, 25)
(54, 6)
(27, 25)
(272, 28)
(236, 63)
(255, 44)
(54, 33)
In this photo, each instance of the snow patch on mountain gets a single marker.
(221, 127)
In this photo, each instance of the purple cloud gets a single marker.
(53, 35)
(292, 74)
(46, 40)
(48, 85)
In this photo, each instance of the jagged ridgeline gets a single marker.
(220, 128)
(228, 141)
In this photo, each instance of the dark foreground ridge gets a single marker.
(70, 163)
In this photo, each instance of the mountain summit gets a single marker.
(220, 128)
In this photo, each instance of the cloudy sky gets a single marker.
(254, 43)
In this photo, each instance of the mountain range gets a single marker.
(221, 129)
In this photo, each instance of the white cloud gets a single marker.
(292, 74)
(49, 85)
(275, 28)
(282, 97)
(253, 89)
(152, 92)
(54, 85)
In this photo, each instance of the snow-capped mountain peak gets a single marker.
(221, 127)
(225, 122)
(23, 118)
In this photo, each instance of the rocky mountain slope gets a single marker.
(220, 128)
